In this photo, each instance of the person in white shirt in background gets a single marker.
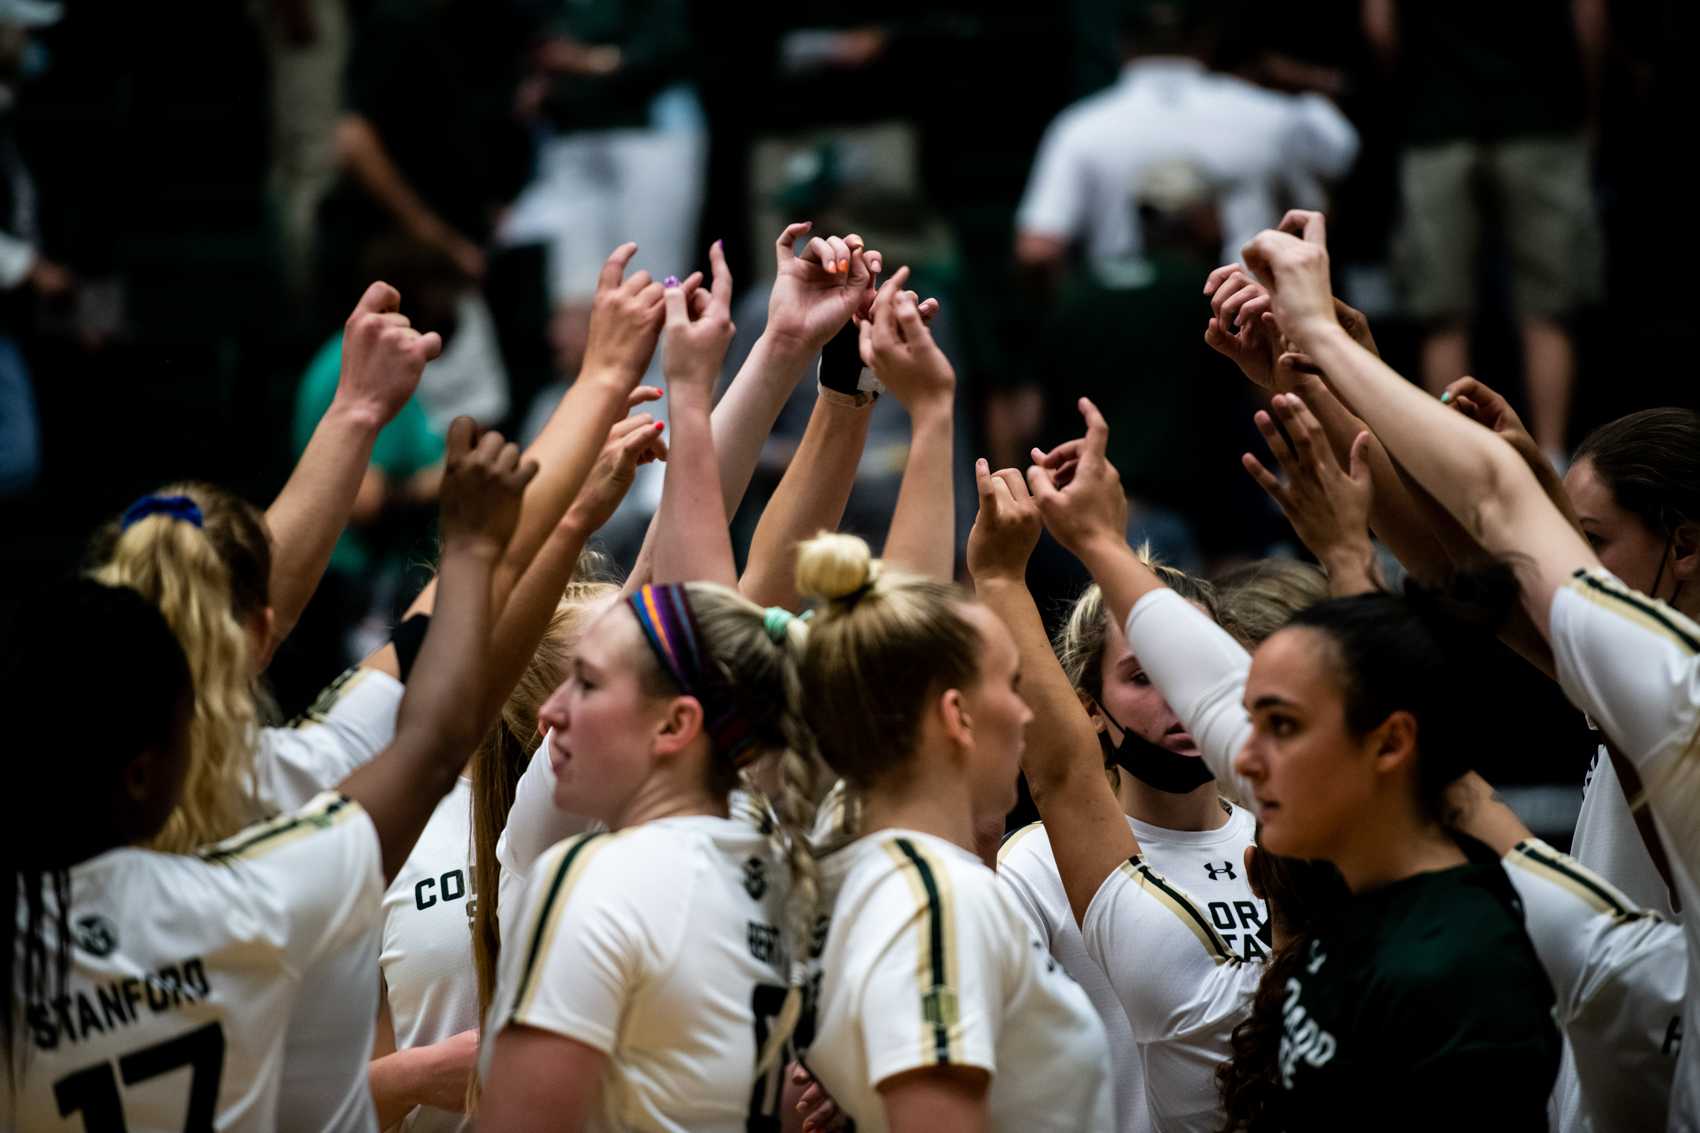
(1186, 831)
(1260, 150)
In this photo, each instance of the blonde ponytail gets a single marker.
(205, 581)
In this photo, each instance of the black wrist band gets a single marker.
(407, 639)
(841, 361)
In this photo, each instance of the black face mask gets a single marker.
(1152, 764)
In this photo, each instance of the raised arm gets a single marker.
(811, 299)
(693, 538)
(1062, 759)
(382, 358)
(445, 711)
(817, 483)
(1470, 471)
(625, 322)
(1198, 667)
(899, 349)
(1243, 330)
(1327, 505)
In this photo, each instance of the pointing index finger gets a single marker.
(614, 267)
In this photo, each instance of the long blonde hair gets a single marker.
(210, 583)
(501, 758)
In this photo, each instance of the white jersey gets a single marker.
(330, 1038)
(430, 980)
(534, 825)
(1212, 861)
(1609, 843)
(185, 970)
(1181, 986)
(349, 723)
(928, 962)
(659, 946)
(1617, 974)
(1633, 665)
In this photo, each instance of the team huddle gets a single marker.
(679, 848)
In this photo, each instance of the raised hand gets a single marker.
(1295, 271)
(698, 329)
(1237, 329)
(1006, 529)
(897, 346)
(382, 356)
(816, 292)
(1483, 405)
(625, 318)
(1327, 505)
(1090, 509)
(483, 483)
(632, 442)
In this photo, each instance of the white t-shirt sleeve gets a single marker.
(323, 868)
(349, 724)
(1161, 953)
(1055, 201)
(584, 947)
(1583, 929)
(1632, 664)
(1201, 671)
(935, 994)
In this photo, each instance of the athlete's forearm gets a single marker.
(811, 497)
(311, 511)
(922, 538)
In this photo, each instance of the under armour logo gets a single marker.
(755, 878)
(1217, 873)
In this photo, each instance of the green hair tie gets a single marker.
(777, 620)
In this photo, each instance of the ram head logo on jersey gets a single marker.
(95, 935)
(755, 877)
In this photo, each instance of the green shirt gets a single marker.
(405, 446)
(1424, 1007)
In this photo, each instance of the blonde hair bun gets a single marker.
(833, 566)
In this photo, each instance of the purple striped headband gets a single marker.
(670, 626)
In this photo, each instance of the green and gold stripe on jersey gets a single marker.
(1606, 591)
(1178, 902)
(325, 811)
(576, 854)
(1570, 875)
(1015, 836)
(937, 968)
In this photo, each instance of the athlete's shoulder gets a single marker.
(1023, 846)
(328, 811)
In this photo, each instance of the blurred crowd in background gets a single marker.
(192, 197)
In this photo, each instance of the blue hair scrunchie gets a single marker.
(177, 507)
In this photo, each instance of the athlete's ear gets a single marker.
(1090, 705)
(1251, 852)
(681, 722)
(1394, 744)
(1685, 552)
(953, 716)
(262, 637)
